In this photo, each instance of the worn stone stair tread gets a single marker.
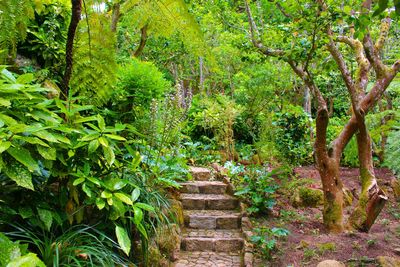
(200, 173)
(212, 240)
(210, 233)
(208, 259)
(212, 219)
(209, 202)
(203, 187)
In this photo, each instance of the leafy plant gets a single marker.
(79, 245)
(13, 254)
(255, 186)
(265, 239)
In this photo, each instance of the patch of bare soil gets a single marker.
(309, 243)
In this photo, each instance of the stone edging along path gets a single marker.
(213, 234)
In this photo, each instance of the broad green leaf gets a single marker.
(87, 190)
(138, 215)
(48, 153)
(94, 180)
(28, 260)
(7, 119)
(144, 206)
(4, 146)
(89, 137)
(142, 230)
(100, 203)
(106, 194)
(136, 160)
(115, 137)
(102, 124)
(135, 194)
(24, 156)
(19, 174)
(18, 128)
(93, 145)
(109, 155)
(123, 239)
(124, 198)
(103, 142)
(33, 141)
(46, 217)
(78, 181)
(25, 78)
(46, 135)
(5, 102)
(25, 212)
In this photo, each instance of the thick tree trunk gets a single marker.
(372, 198)
(115, 16)
(333, 192)
(73, 25)
(143, 40)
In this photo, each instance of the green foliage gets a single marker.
(12, 254)
(392, 152)
(94, 71)
(15, 15)
(265, 239)
(255, 186)
(292, 135)
(79, 245)
(139, 82)
(47, 34)
(214, 117)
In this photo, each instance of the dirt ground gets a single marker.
(309, 243)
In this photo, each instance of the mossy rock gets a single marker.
(307, 197)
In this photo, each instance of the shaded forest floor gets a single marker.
(309, 243)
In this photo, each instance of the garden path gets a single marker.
(212, 235)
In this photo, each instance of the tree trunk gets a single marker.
(333, 192)
(73, 25)
(115, 16)
(372, 198)
(143, 40)
(328, 168)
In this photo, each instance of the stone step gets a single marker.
(203, 187)
(200, 173)
(212, 219)
(209, 202)
(208, 259)
(212, 240)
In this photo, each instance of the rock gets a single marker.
(330, 263)
(385, 261)
(307, 197)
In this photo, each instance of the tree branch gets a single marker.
(384, 32)
(143, 40)
(255, 36)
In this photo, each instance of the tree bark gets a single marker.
(73, 25)
(115, 16)
(143, 40)
(372, 198)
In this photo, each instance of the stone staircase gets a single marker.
(212, 235)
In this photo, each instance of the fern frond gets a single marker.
(94, 71)
(14, 17)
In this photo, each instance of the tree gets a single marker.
(314, 33)
(75, 18)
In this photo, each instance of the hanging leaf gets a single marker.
(135, 194)
(124, 198)
(46, 217)
(4, 146)
(109, 155)
(24, 156)
(123, 239)
(19, 174)
(93, 145)
(144, 206)
(47, 152)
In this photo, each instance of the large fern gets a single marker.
(94, 69)
(14, 18)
